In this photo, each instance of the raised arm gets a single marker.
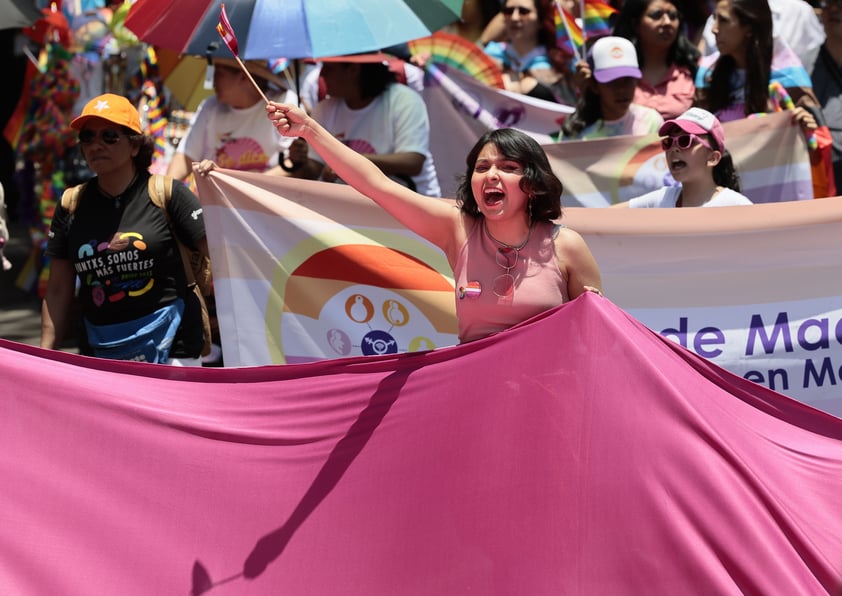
(429, 217)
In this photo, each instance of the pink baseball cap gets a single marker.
(698, 122)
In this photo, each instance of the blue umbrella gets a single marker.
(289, 28)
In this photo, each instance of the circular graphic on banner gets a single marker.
(368, 300)
(378, 343)
(359, 308)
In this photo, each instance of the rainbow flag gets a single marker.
(596, 18)
(226, 31)
(568, 34)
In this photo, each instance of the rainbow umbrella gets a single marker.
(267, 29)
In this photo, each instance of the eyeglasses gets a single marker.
(504, 284)
(510, 10)
(657, 15)
(108, 136)
(684, 141)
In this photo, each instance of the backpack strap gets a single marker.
(160, 193)
(70, 197)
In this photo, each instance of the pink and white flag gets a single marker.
(226, 31)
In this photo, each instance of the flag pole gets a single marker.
(253, 82)
(584, 25)
(226, 32)
(563, 14)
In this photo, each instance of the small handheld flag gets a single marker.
(226, 32)
(596, 18)
(568, 34)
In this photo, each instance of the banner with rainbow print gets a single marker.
(310, 271)
(307, 271)
(600, 172)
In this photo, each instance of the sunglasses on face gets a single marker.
(510, 10)
(108, 136)
(684, 141)
(657, 15)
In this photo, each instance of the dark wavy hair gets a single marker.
(757, 15)
(539, 182)
(143, 159)
(681, 53)
(588, 111)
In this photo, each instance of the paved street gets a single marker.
(20, 312)
(20, 318)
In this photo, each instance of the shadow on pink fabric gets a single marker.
(577, 453)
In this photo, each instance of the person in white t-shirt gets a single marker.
(229, 129)
(368, 110)
(694, 147)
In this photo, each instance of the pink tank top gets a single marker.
(538, 282)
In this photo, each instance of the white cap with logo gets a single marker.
(613, 58)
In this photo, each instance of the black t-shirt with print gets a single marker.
(125, 255)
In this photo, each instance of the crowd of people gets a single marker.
(668, 68)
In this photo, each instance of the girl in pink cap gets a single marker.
(694, 148)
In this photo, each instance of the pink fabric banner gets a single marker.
(590, 456)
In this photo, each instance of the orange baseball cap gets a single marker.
(114, 108)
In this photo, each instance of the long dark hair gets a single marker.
(588, 106)
(539, 182)
(758, 17)
(682, 52)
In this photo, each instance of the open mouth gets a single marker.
(677, 164)
(492, 197)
